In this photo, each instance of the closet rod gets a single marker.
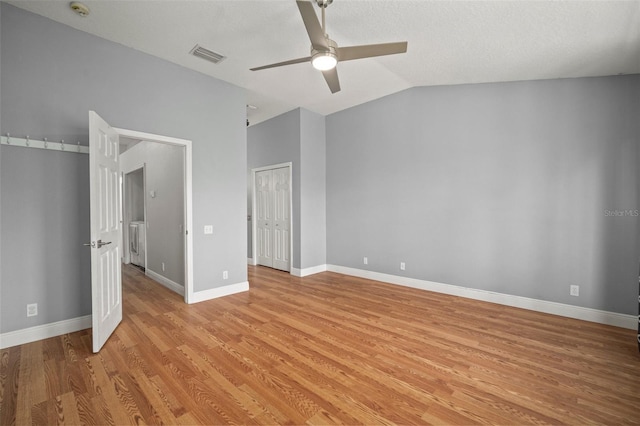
(50, 145)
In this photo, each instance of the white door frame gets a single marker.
(289, 165)
(188, 205)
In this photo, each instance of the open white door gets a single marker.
(106, 281)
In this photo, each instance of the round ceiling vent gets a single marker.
(79, 8)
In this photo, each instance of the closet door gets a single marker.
(264, 215)
(273, 218)
(281, 219)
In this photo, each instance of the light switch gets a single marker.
(208, 229)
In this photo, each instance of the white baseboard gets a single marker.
(214, 293)
(45, 331)
(308, 271)
(560, 309)
(171, 285)
(250, 261)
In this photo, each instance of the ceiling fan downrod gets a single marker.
(323, 4)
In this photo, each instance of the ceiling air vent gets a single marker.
(207, 54)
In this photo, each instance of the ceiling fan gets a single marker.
(325, 53)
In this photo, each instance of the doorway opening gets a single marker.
(134, 236)
(156, 213)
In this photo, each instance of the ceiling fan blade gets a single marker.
(280, 64)
(314, 29)
(370, 50)
(331, 76)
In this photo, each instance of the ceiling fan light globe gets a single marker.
(324, 61)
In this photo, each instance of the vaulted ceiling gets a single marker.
(450, 42)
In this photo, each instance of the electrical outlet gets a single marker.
(402, 266)
(208, 229)
(225, 275)
(32, 309)
(365, 261)
(162, 266)
(574, 290)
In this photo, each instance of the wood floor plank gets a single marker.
(107, 391)
(69, 409)
(157, 401)
(324, 349)
(9, 381)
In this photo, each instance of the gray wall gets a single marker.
(313, 224)
(297, 136)
(501, 187)
(135, 194)
(44, 223)
(165, 214)
(51, 76)
(0, 166)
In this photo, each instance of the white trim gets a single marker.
(134, 134)
(214, 293)
(250, 261)
(254, 255)
(271, 167)
(560, 309)
(44, 331)
(166, 282)
(308, 271)
(188, 209)
(48, 145)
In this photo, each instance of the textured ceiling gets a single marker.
(450, 42)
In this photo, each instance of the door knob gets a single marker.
(100, 243)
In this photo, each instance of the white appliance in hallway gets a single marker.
(137, 242)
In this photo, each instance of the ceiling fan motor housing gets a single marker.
(333, 46)
(323, 54)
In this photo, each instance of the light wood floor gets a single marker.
(325, 349)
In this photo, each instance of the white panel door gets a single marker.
(106, 281)
(273, 218)
(264, 215)
(281, 218)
